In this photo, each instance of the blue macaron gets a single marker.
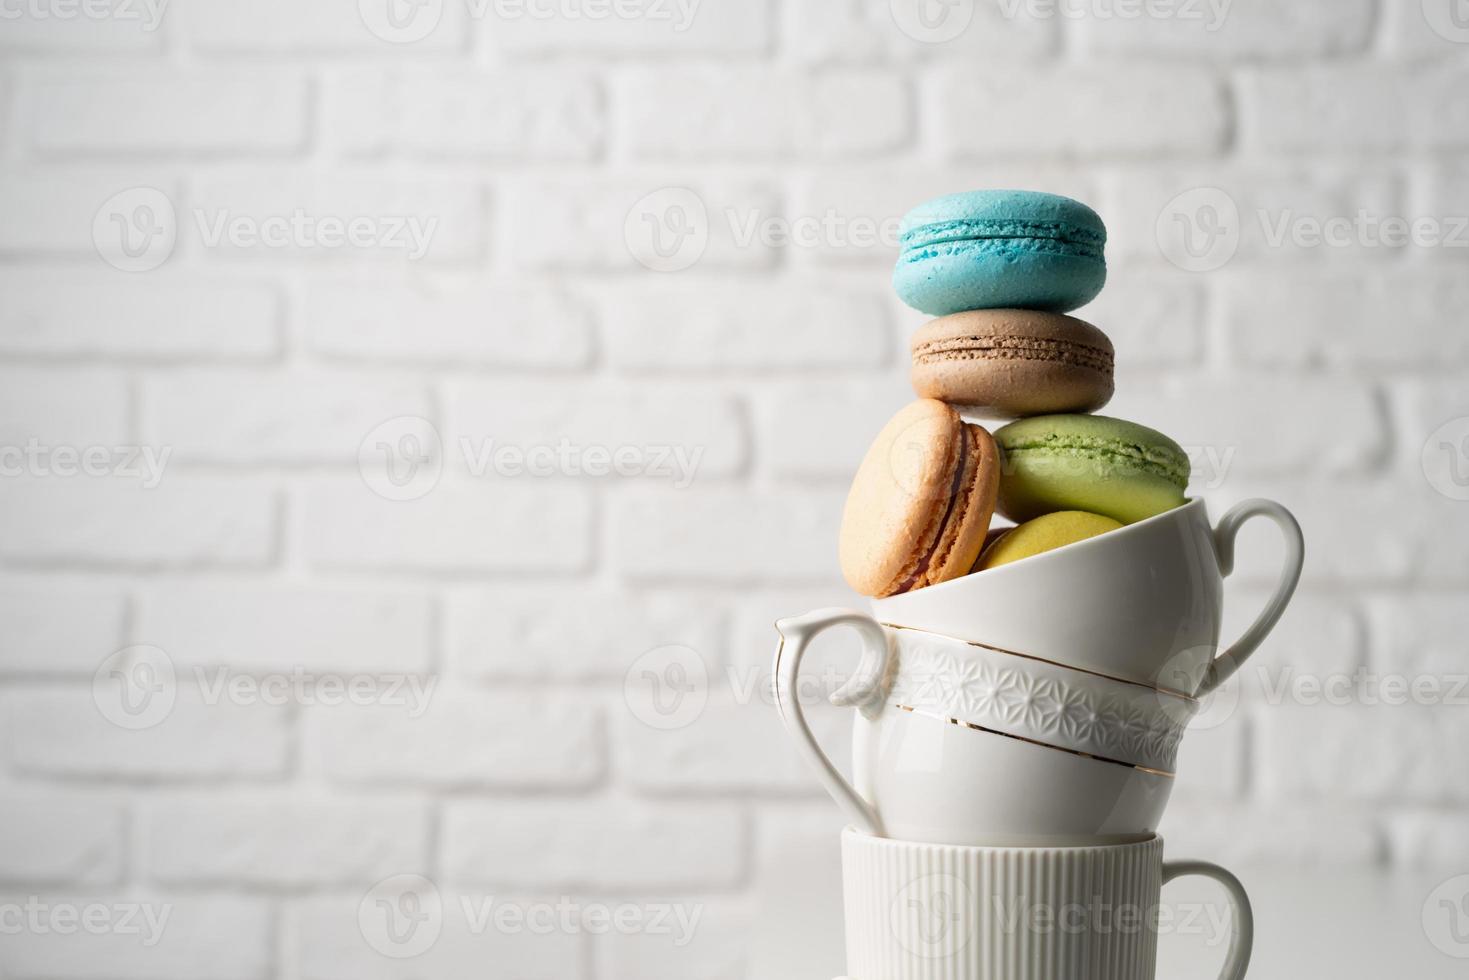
(986, 250)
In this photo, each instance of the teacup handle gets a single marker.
(1242, 939)
(864, 691)
(1225, 665)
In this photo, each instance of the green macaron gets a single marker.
(1088, 462)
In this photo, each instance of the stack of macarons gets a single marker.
(1000, 270)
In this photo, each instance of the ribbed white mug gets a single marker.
(941, 912)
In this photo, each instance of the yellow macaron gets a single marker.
(1044, 534)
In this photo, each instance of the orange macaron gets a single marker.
(921, 502)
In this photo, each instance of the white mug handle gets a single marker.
(864, 691)
(1242, 939)
(1225, 665)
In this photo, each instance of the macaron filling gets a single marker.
(1154, 460)
(1050, 236)
(1014, 348)
(948, 524)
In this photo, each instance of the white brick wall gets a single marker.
(379, 658)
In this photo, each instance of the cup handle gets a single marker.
(1224, 666)
(864, 691)
(1242, 939)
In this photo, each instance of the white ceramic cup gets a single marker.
(1142, 603)
(939, 912)
(1006, 751)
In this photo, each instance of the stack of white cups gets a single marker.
(1015, 748)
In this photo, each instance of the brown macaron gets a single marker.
(921, 502)
(1013, 363)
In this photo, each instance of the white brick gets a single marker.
(822, 430)
(1082, 111)
(727, 536)
(1428, 840)
(828, 661)
(1322, 108)
(1281, 213)
(324, 940)
(288, 838)
(56, 408)
(1376, 320)
(1231, 424)
(66, 314)
(1155, 319)
(864, 207)
(752, 324)
(269, 628)
(295, 418)
(1419, 636)
(863, 31)
(488, 526)
(1280, 835)
(254, 111)
(275, 26)
(718, 27)
(754, 113)
(586, 225)
(184, 521)
(1409, 32)
(1445, 197)
(52, 213)
(65, 733)
(454, 321)
(1211, 760)
(125, 26)
(595, 844)
(462, 739)
(722, 946)
(1317, 639)
(506, 115)
(736, 744)
(1249, 29)
(573, 634)
(60, 837)
(1371, 753)
(671, 435)
(427, 219)
(58, 630)
(219, 936)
